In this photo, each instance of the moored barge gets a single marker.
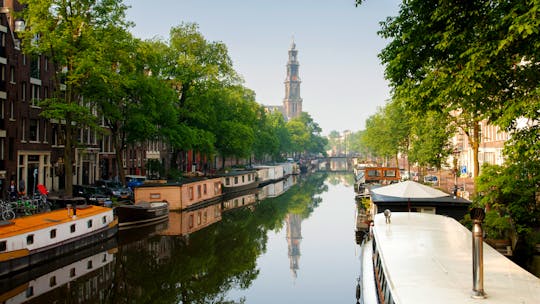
(35, 239)
(141, 214)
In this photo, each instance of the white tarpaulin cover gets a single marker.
(409, 189)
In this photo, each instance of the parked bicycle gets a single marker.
(6, 210)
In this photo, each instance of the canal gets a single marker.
(291, 242)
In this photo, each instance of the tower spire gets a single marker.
(292, 103)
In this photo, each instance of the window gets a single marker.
(190, 190)
(52, 281)
(72, 272)
(204, 188)
(30, 239)
(243, 179)
(89, 264)
(30, 291)
(11, 109)
(35, 94)
(72, 228)
(104, 219)
(34, 130)
(198, 218)
(89, 224)
(104, 258)
(53, 233)
(23, 127)
(199, 191)
(12, 74)
(236, 180)
(23, 91)
(190, 221)
(216, 187)
(3, 246)
(227, 181)
(45, 139)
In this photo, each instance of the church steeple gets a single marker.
(292, 103)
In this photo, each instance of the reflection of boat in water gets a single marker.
(186, 222)
(137, 233)
(141, 214)
(277, 189)
(35, 239)
(35, 283)
(241, 199)
(414, 257)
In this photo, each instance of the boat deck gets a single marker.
(43, 220)
(369, 291)
(428, 258)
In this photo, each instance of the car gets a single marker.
(431, 179)
(93, 195)
(135, 180)
(114, 189)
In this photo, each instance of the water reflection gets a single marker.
(197, 256)
(79, 278)
(205, 253)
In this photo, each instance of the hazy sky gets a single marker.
(342, 78)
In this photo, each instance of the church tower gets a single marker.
(292, 103)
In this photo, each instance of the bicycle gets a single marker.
(7, 211)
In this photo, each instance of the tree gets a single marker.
(68, 32)
(196, 66)
(474, 59)
(306, 135)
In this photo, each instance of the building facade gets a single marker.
(31, 146)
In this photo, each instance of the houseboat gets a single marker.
(35, 239)
(376, 175)
(269, 174)
(189, 193)
(238, 180)
(424, 258)
(141, 214)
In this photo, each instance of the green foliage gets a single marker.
(305, 136)
(510, 191)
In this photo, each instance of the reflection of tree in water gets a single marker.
(204, 266)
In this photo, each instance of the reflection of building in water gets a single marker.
(72, 280)
(277, 189)
(186, 222)
(294, 235)
(247, 199)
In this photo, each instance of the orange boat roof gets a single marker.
(43, 220)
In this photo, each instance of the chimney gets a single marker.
(477, 215)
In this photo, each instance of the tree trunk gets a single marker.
(475, 146)
(68, 160)
(119, 160)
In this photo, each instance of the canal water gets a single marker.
(290, 242)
